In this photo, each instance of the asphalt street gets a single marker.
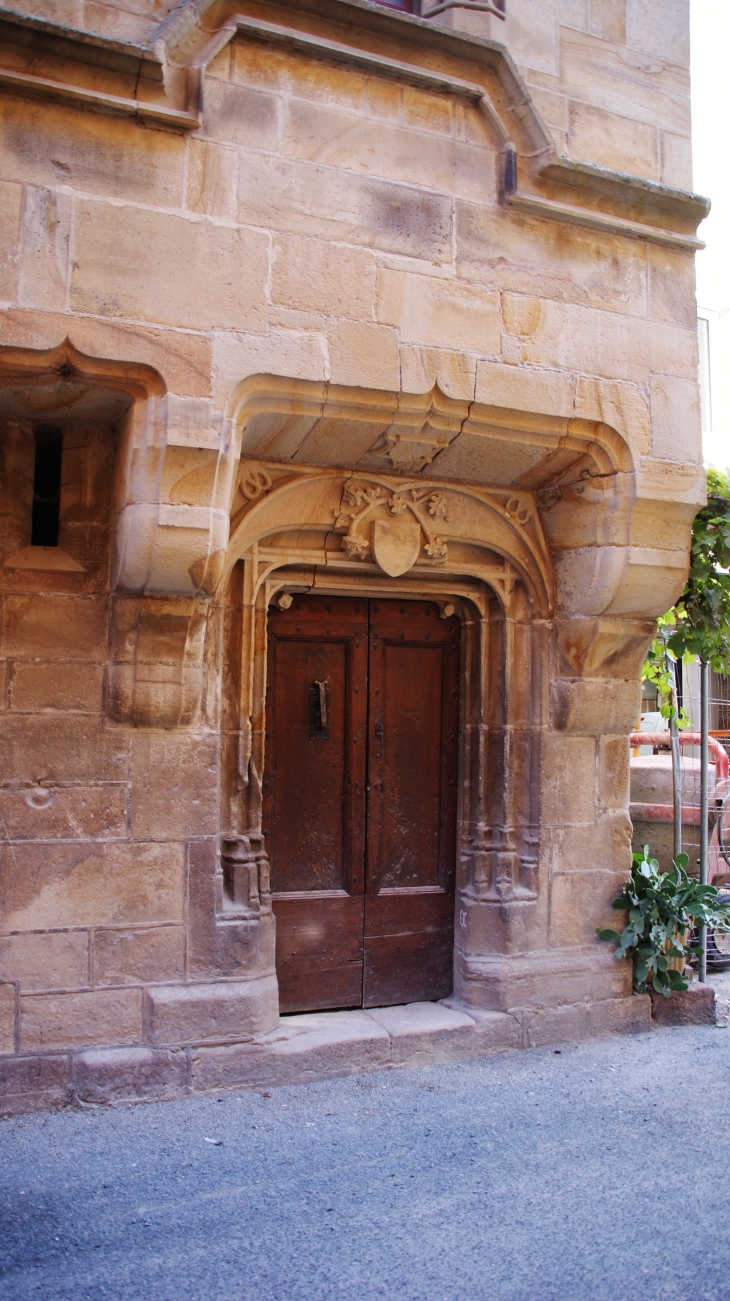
(597, 1171)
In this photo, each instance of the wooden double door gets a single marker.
(362, 716)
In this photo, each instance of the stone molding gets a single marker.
(162, 82)
(133, 68)
(565, 529)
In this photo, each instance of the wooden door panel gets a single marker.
(347, 937)
(411, 811)
(414, 967)
(410, 780)
(314, 798)
(309, 776)
(319, 943)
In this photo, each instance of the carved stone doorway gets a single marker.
(360, 785)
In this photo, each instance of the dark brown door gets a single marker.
(360, 800)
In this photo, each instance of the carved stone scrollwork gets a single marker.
(254, 480)
(395, 548)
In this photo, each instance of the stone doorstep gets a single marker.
(312, 1046)
(319, 1045)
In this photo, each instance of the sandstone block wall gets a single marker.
(342, 225)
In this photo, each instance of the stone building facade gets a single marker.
(323, 299)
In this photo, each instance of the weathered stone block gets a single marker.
(383, 99)
(46, 236)
(191, 425)
(555, 1025)
(112, 1075)
(676, 159)
(361, 353)
(566, 336)
(613, 772)
(57, 627)
(596, 136)
(182, 358)
(102, 1016)
(229, 1010)
(317, 201)
(672, 284)
(524, 388)
(10, 218)
(65, 812)
(426, 111)
(569, 779)
(310, 79)
(90, 884)
(30, 1082)
(381, 149)
(521, 254)
(58, 960)
(421, 1032)
(580, 900)
(582, 1020)
(298, 354)
(667, 37)
(693, 1006)
(122, 261)
(51, 686)
(130, 956)
(608, 20)
(318, 276)
(7, 1018)
(175, 785)
(430, 310)
(212, 179)
(622, 406)
(631, 1015)
(421, 368)
(50, 748)
(649, 93)
(604, 843)
(675, 418)
(238, 115)
(595, 707)
(541, 978)
(49, 144)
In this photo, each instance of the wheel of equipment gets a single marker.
(718, 940)
(723, 829)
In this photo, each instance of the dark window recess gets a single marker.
(46, 487)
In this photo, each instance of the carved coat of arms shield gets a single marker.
(396, 544)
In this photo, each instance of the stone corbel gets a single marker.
(156, 671)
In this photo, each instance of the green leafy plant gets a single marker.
(659, 669)
(698, 626)
(663, 908)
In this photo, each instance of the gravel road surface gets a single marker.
(586, 1174)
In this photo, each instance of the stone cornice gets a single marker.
(162, 81)
(46, 60)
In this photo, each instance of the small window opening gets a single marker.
(46, 487)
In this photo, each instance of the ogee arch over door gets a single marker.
(360, 800)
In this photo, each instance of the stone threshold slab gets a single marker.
(319, 1045)
(305, 1048)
